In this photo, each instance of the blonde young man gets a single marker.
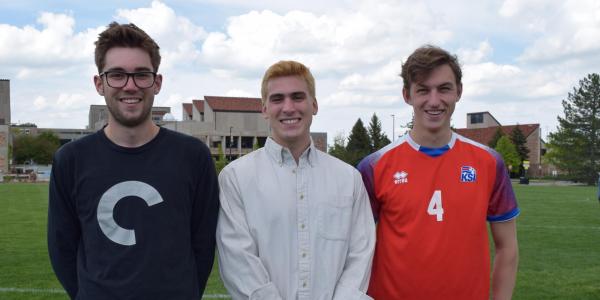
(295, 223)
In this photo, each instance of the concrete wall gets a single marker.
(4, 102)
(488, 121)
(242, 123)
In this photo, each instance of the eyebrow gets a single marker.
(292, 94)
(444, 84)
(138, 69)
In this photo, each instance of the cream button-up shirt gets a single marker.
(294, 231)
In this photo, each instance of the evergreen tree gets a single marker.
(378, 138)
(509, 153)
(520, 141)
(497, 135)
(359, 143)
(338, 149)
(575, 147)
(222, 162)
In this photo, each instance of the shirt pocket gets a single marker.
(335, 218)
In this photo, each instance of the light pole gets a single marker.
(393, 127)
(230, 141)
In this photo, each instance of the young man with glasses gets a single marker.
(295, 223)
(133, 207)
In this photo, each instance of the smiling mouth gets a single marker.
(434, 112)
(290, 121)
(130, 100)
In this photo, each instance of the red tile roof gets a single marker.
(187, 108)
(199, 104)
(485, 135)
(240, 104)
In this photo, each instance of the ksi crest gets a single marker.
(468, 174)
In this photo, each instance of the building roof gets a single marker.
(238, 104)
(187, 108)
(485, 135)
(199, 104)
(484, 112)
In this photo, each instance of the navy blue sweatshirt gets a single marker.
(133, 223)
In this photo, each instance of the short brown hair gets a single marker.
(125, 35)
(426, 58)
(288, 68)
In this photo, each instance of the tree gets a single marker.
(378, 138)
(222, 162)
(39, 149)
(575, 146)
(520, 141)
(359, 143)
(497, 135)
(338, 149)
(509, 153)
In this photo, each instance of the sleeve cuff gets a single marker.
(342, 293)
(505, 217)
(266, 292)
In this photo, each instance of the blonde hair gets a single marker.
(288, 68)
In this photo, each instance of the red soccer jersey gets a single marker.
(432, 240)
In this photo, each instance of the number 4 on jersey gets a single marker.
(435, 206)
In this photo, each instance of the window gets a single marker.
(476, 118)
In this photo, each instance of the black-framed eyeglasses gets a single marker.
(119, 79)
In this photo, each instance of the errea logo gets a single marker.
(400, 177)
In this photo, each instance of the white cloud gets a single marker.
(238, 93)
(177, 36)
(55, 45)
(473, 56)
(328, 43)
(571, 35)
(40, 103)
(66, 102)
(520, 58)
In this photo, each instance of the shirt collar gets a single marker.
(416, 146)
(283, 156)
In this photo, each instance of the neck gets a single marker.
(131, 137)
(431, 139)
(296, 147)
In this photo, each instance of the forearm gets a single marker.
(506, 259)
(505, 273)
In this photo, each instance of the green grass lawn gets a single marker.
(559, 240)
(24, 258)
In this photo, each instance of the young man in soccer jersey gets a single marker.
(133, 207)
(295, 222)
(432, 192)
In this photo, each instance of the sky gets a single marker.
(520, 58)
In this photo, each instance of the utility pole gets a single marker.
(230, 142)
(393, 127)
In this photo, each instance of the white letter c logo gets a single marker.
(109, 200)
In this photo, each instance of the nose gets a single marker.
(130, 84)
(288, 105)
(435, 97)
